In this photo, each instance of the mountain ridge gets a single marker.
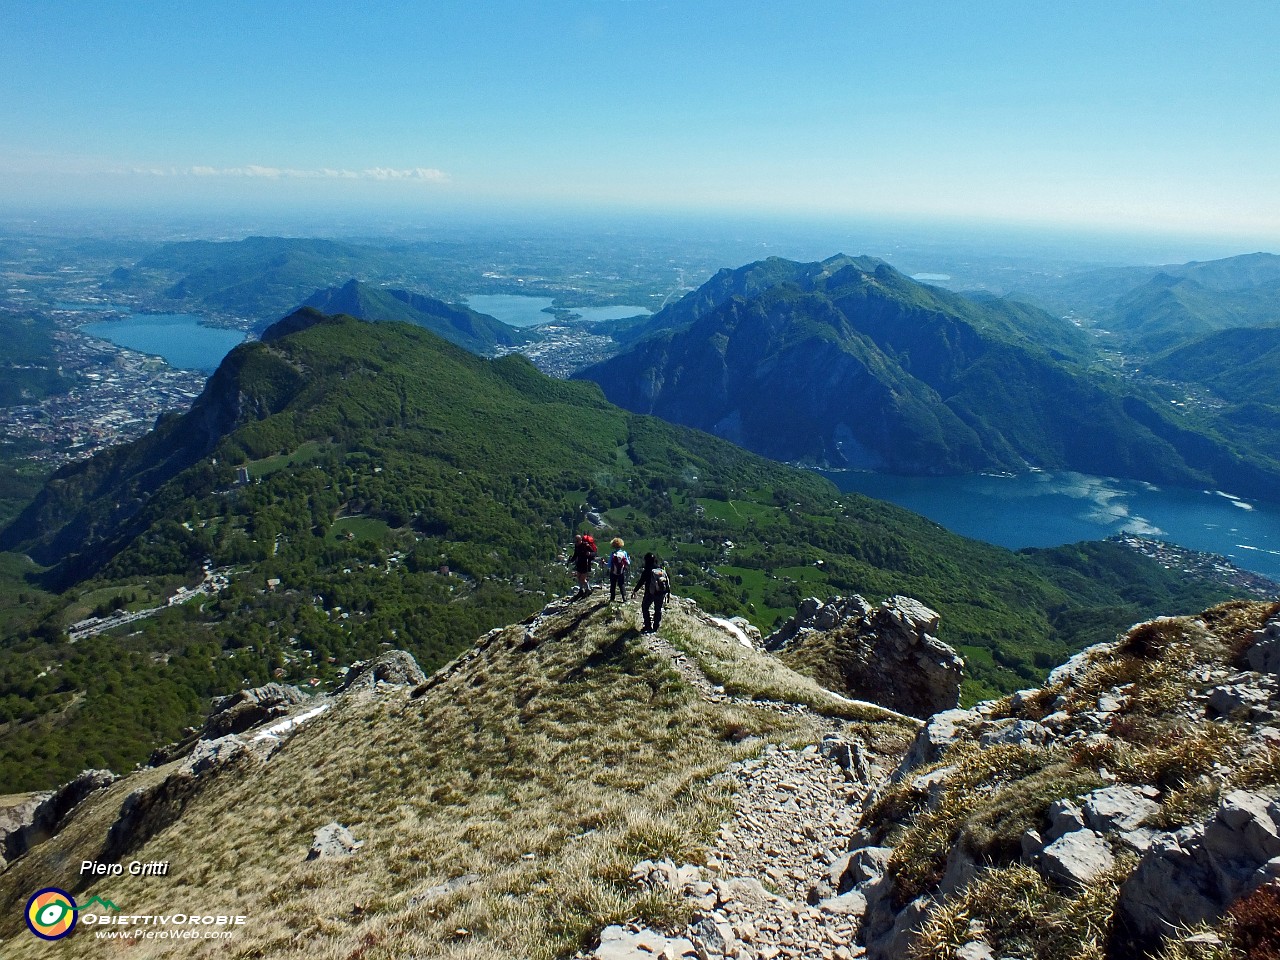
(458, 324)
(402, 490)
(630, 789)
(859, 365)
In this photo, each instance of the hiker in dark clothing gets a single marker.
(657, 587)
(619, 564)
(584, 555)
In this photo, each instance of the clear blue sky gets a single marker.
(1138, 115)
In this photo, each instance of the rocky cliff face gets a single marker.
(886, 654)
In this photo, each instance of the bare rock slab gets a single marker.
(333, 841)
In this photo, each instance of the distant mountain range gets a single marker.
(1204, 334)
(1097, 290)
(849, 363)
(261, 278)
(1151, 309)
(477, 332)
(1167, 311)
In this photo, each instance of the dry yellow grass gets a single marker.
(992, 795)
(1019, 914)
(546, 770)
(753, 674)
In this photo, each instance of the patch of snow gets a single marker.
(288, 724)
(734, 631)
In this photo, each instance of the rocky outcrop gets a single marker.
(814, 615)
(147, 811)
(41, 815)
(234, 714)
(1127, 732)
(394, 668)
(886, 655)
(246, 709)
(1263, 651)
(333, 841)
(1196, 873)
(633, 942)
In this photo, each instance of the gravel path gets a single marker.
(765, 891)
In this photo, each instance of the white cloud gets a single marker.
(416, 173)
(255, 171)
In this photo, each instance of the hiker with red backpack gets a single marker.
(619, 564)
(584, 555)
(657, 587)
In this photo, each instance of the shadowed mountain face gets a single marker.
(848, 362)
(1239, 364)
(473, 331)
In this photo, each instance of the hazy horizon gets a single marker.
(1154, 120)
(742, 238)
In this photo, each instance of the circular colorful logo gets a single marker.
(51, 913)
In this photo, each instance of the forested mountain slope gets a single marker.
(848, 362)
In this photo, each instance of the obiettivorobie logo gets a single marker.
(52, 913)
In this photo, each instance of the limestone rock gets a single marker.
(748, 629)
(931, 742)
(862, 866)
(811, 612)
(1076, 858)
(332, 841)
(975, 950)
(848, 756)
(394, 667)
(41, 815)
(1026, 733)
(851, 904)
(245, 709)
(1197, 872)
(209, 754)
(1249, 696)
(18, 831)
(899, 939)
(1120, 808)
(1077, 665)
(887, 655)
(1031, 844)
(1263, 652)
(621, 943)
(1064, 817)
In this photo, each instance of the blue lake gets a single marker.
(179, 338)
(525, 311)
(1049, 509)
